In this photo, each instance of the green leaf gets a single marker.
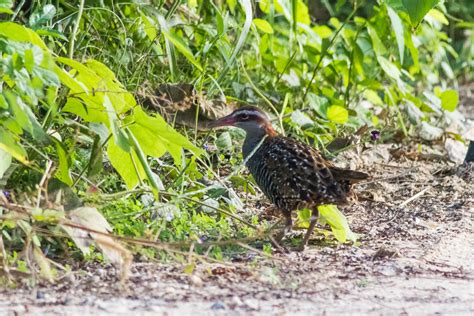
(417, 9)
(323, 31)
(338, 223)
(25, 117)
(20, 33)
(388, 67)
(377, 45)
(337, 114)
(6, 11)
(10, 144)
(302, 13)
(162, 132)
(63, 172)
(224, 141)
(5, 162)
(263, 26)
(438, 16)
(127, 164)
(398, 30)
(29, 60)
(413, 52)
(449, 100)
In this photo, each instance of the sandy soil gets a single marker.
(414, 259)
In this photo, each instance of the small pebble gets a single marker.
(40, 295)
(217, 306)
(195, 280)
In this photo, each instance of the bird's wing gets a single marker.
(300, 170)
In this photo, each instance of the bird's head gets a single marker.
(249, 118)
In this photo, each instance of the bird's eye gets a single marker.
(244, 117)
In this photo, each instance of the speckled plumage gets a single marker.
(292, 174)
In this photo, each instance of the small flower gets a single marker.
(375, 135)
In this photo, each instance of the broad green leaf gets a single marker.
(323, 31)
(373, 97)
(92, 113)
(449, 100)
(302, 13)
(92, 81)
(5, 161)
(263, 26)
(224, 141)
(377, 45)
(63, 172)
(337, 114)
(3, 102)
(127, 164)
(338, 223)
(265, 6)
(232, 4)
(122, 101)
(10, 144)
(70, 82)
(438, 16)
(6, 11)
(25, 117)
(29, 60)
(398, 30)
(149, 142)
(20, 33)
(417, 9)
(162, 131)
(388, 67)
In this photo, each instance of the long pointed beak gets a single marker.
(223, 121)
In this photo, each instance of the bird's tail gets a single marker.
(349, 175)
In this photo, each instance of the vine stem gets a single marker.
(72, 40)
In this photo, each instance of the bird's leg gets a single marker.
(312, 223)
(286, 229)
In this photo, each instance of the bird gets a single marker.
(292, 175)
